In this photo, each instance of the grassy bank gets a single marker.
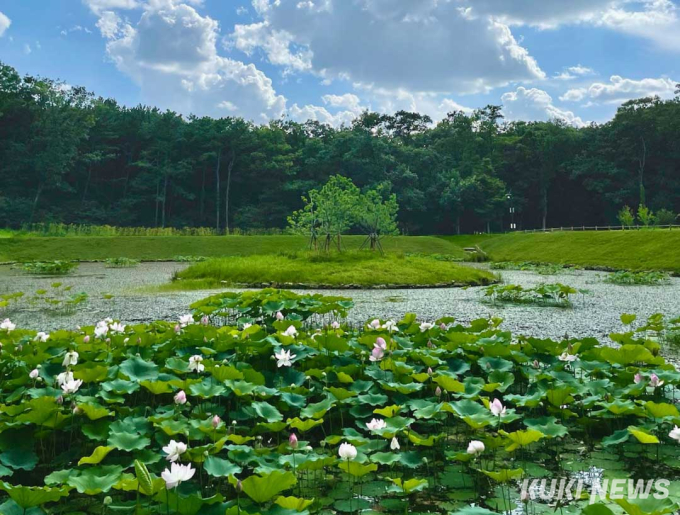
(313, 270)
(160, 248)
(630, 250)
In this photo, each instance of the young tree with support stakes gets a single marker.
(378, 217)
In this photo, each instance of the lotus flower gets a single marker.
(176, 474)
(174, 449)
(279, 316)
(41, 337)
(86, 338)
(335, 325)
(425, 326)
(117, 327)
(568, 358)
(71, 358)
(34, 373)
(180, 397)
(475, 447)
(380, 342)
(216, 421)
(71, 386)
(675, 433)
(394, 444)
(186, 320)
(64, 377)
(374, 324)
(205, 320)
(293, 441)
(438, 391)
(377, 354)
(637, 378)
(195, 364)
(390, 325)
(654, 381)
(347, 451)
(497, 408)
(291, 331)
(376, 424)
(284, 358)
(7, 325)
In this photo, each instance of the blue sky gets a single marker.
(330, 59)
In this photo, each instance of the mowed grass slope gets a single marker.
(656, 249)
(159, 248)
(363, 268)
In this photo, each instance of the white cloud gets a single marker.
(425, 46)
(99, 6)
(5, 22)
(619, 90)
(171, 53)
(535, 104)
(27, 49)
(574, 72)
(321, 114)
(75, 28)
(657, 20)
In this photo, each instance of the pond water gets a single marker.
(596, 314)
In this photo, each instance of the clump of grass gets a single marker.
(527, 266)
(121, 262)
(49, 267)
(555, 295)
(627, 278)
(348, 269)
(478, 256)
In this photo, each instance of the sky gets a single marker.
(329, 60)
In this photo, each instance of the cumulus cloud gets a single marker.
(656, 20)
(574, 72)
(619, 90)
(171, 53)
(535, 104)
(425, 46)
(99, 6)
(5, 22)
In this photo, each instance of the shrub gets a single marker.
(626, 217)
(646, 216)
(666, 217)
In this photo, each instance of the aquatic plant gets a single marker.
(628, 278)
(555, 295)
(278, 410)
(49, 267)
(121, 262)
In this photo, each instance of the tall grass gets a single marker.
(75, 230)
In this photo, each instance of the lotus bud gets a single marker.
(77, 328)
(86, 339)
(438, 392)
(335, 325)
(442, 326)
(525, 497)
(178, 329)
(536, 364)
(239, 486)
(76, 410)
(34, 373)
(293, 441)
(637, 378)
(279, 315)
(139, 340)
(216, 421)
(429, 371)
(181, 397)
(107, 500)
(60, 400)
(205, 320)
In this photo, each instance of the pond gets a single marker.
(596, 314)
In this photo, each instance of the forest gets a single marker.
(68, 156)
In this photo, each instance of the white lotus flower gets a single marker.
(376, 424)
(41, 337)
(347, 451)
(195, 364)
(71, 386)
(675, 433)
(569, 358)
(291, 331)
(284, 358)
(7, 325)
(71, 358)
(34, 373)
(176, 474)
(117, 327)
(101, 329)
(394, 444)
(390, 325)
(174, 450)
(497, 408)
(475, 447)
(246, 326)
(186, 320)
(64, 377)
(425, 326)
(335, 325)
(374, 324)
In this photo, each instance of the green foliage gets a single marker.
(666, 217)
(102, 446)
(557, 294)
(121, 262)
(645, 215)
(638, 278)
(626, 217)
(49, 267)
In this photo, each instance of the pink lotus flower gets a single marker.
(216, 421)
(279, 315)
(181, 397)
(637, 378)
(380, 342)
(654, 381)
(293, 441)
(377, 354)
(34, 373)
(497, 408)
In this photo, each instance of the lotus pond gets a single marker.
(268, 403)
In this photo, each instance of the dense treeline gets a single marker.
(67, 156)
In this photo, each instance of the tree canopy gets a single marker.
(69, 156)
